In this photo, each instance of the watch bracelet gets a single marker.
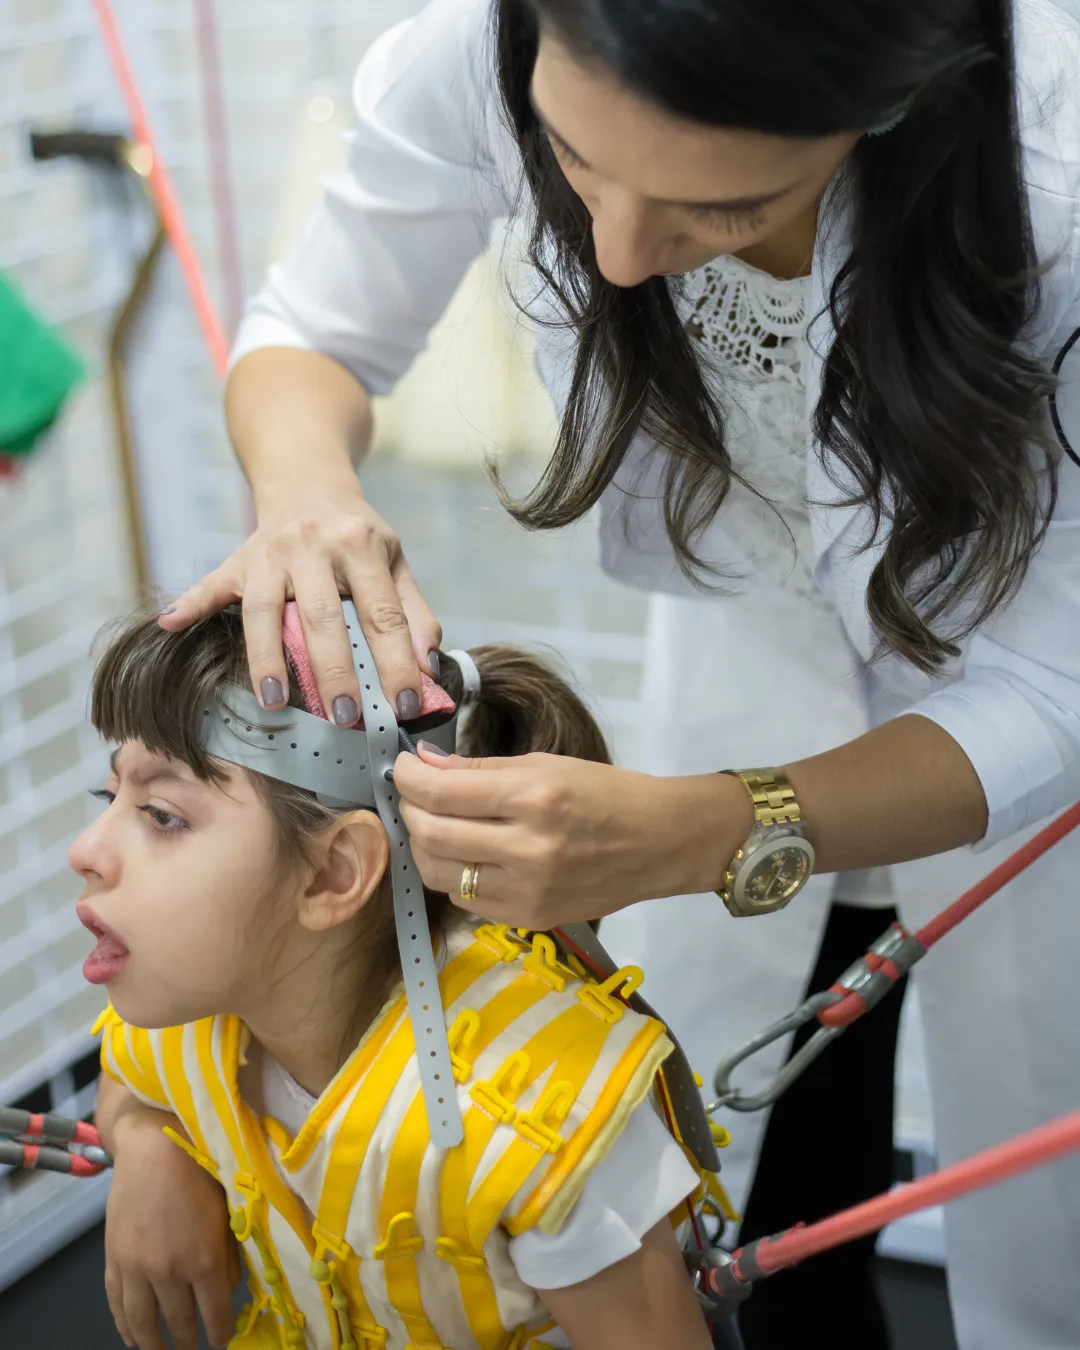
(770, 793)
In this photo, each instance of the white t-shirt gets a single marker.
(642, 1179)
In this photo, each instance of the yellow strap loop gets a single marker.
(509, 1077)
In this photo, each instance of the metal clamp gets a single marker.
(861, 987)
(731, 1097)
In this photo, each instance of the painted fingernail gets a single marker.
(163, 612)
(433, 663)
(408, 705)
(346, 713)
(272, 693)
(432, 749)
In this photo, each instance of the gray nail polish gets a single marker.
(408, 705)
(272, 693)
(433, 662)
(171, 609)
(346, 713)
(432, 749)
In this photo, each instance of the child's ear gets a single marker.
(354, 854)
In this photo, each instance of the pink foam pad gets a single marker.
(433, 698)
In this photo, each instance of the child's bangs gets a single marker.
(152, 686)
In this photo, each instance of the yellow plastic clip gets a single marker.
(509, 1077)
(242, 1219)
(540, 1125)
(206, 1163)
(326, 1242)
(462, 1035)
(544, 964)
(603, 999)
(402, 1239)
(371, 1336)
(721, 1137)
(494, 935)
(454, 1254)
(578, 967)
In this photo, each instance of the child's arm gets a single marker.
(645, 1301)
(168, 1248)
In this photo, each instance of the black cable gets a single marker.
(1058, 428)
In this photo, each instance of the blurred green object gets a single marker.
(38, 370)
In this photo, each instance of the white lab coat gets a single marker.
(747, 680)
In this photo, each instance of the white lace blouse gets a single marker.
(752, 329)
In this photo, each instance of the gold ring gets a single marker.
(470, 879)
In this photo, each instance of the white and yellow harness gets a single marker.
(378, 1240)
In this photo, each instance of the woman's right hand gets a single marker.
(168, 1246)
(314, 544)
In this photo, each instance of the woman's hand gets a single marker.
(561, 840)
(168, 1247)
(314, 544)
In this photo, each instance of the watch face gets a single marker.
(778, 876)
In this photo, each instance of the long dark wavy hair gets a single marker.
(929, 405)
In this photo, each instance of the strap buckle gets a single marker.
(242, 1219)
(509, 1077)
(494, 935)
(603, 999)
(543, 963)
(539, 1126)
(455, 1254)
(402, 1239)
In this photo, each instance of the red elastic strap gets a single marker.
(852, 1006)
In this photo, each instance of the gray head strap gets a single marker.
(291, 746)
(355, 768)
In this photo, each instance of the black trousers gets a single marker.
(829, 1144)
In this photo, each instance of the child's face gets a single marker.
(181, 878)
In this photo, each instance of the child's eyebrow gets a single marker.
(157, 774)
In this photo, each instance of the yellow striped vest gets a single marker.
(379, 1241)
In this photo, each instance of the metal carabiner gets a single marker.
(733, 1099)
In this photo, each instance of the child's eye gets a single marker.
(164, 822)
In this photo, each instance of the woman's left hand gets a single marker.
(563, 840)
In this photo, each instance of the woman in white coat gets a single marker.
(801, 272)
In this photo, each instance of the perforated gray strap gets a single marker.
(685, 1096)
(410, 913)
(290, 745)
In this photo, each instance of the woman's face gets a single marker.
(181, 882)
(667, 195)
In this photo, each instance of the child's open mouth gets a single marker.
(107, 959)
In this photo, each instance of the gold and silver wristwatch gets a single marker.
(777, 859)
